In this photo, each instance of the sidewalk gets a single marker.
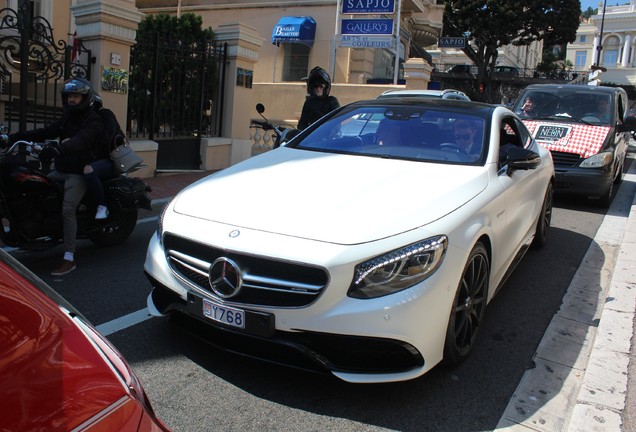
(167, 185)
(579, 382)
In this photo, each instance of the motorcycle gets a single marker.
(31, 203)
(282, 133)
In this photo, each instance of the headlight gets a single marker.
(598, 160)
(399, 269)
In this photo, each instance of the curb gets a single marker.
(579, 382)
(601, 400)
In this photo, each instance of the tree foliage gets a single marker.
(186, 30)
(171, 66)
(589, 12)
(491, 24)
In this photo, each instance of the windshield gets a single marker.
(410, 132)
(578, 106)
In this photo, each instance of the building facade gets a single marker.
(608, 40)
(287, 54)
(299, 35)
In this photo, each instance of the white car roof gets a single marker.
(423, 93)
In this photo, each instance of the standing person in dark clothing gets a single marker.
(80, 131)
(318, 102)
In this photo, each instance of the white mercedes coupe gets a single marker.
(368, 246)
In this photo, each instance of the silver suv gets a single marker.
(442, 94)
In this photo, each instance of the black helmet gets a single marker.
(78, 86)
(318, 76)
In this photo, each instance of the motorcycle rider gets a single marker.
(100, 169)
(318, 102)
(80, 130)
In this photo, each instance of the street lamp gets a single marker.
(599, 47)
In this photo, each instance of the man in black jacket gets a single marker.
(318, 103)
(80, 130)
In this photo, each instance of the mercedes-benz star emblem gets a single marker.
(225, 277)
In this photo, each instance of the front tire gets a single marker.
(606, 198)
(468, 307)
(545, 219)
(116, 229)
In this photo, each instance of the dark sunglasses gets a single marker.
(320, 85)
(462, 137)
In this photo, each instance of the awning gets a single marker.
(294, 30)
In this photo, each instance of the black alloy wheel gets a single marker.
(468, 307)
(545, 219)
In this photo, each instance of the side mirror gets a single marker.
(260, 108)
(628, 125)
(522, 159)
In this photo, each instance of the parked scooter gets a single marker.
(31, 203)
(282, 133)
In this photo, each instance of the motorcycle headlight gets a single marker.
(599, 160)
(399, 269)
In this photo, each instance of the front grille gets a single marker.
(565, 160)
(266, 282)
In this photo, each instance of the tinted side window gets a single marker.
(512, 134)
(622, 105)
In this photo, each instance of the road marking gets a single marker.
(124, 322)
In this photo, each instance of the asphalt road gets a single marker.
(196, 387)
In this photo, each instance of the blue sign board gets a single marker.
(368, 6)
(291, 29)
(451, 42)
(366, 27)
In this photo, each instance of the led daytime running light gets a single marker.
(398, 255)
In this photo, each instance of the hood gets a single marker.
(332, 198)
(584, 140)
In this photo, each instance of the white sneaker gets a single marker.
(102, 212)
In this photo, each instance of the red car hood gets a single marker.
(50, 374)
(584, 140)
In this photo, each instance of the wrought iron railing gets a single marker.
(174, 90)
(33, 65)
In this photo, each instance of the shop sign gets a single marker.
(353, 41)
(368, 6)
(451, 42)
(366, 27)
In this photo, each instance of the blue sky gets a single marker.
(588, 3)
(594, 3)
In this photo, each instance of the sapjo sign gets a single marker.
(368, 6)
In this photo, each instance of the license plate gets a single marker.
(223, 314)
(551, 133)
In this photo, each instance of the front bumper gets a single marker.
(589, 182)
(341, 355)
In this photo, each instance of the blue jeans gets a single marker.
(102, 170)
